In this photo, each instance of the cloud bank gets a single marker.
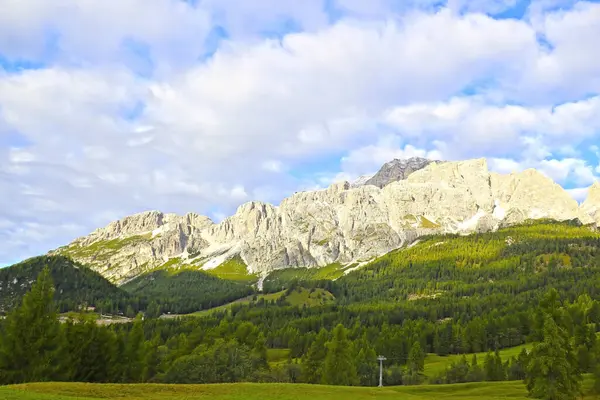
(111, 108)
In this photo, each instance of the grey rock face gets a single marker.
(339, 224)
(397, 170)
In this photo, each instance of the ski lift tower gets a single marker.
(381, 360)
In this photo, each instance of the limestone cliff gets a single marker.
(339, 224)
(591, 205)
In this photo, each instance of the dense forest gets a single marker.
(157, 292)
(537, 283)
(76, 285)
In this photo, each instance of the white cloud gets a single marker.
(243, 125)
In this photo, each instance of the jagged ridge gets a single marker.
(339, 224)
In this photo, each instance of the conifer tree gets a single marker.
(339, 368)
(30, 341)
(552, 373)
(475, 374)
(259, 353)
(312, 365)
(135, 353)
(366, 362)
(415, 365)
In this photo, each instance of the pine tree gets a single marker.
(135, 353)
(415, 365)
(31, 339)
(475, 374)
(552, 373)
(313, 363)
(366, 362)
(339, 367)
(259, 353)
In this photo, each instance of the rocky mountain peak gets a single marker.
(341, 224)
(397, 170)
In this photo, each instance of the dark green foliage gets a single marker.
(87, 352)
(30, 341)
(552, 372)
(493, 367)
(339, 367)
(450, 295)
(225, 361)
(134, 353)
(312, 365)
(76, 285)
(476, 373)
(185, 291)
(415, 365)
(366, 362)
(518, 366)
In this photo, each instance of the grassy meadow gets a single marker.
(258, 391)
(435, 364)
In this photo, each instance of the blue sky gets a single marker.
(111, 108)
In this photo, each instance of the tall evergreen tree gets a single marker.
(552, 373)
(366, 362)
(415, 365)
(135, 348)
(339, 368)
(30, 342)
(476, 373)
(312, 365)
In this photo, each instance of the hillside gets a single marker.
(185, 291)
(442, 297)
(76, 285)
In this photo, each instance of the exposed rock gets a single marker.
(339, 224)
(360, 181)
(397, 170)
(591, 205)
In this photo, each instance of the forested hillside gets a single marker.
(76, 285)
(185, 291)
(537, 283)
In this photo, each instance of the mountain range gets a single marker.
(347, 224)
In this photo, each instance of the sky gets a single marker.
(108, 108)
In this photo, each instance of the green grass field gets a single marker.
(233, 269)
(435, 364)
(257, 391)
(245, 300)
(298, 297)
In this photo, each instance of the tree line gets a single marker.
(35, 346)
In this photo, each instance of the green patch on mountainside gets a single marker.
(102, 249)
(283, 278)
(233, 269)
(76, 285)
(303, 297)
(186, 290)
(297, 297)
(248, 300)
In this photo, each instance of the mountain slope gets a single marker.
(75, 284)
(186, 291)
(337, 225)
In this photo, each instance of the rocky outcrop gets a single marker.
(339, 224)
(591, 205)
(397, 170)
